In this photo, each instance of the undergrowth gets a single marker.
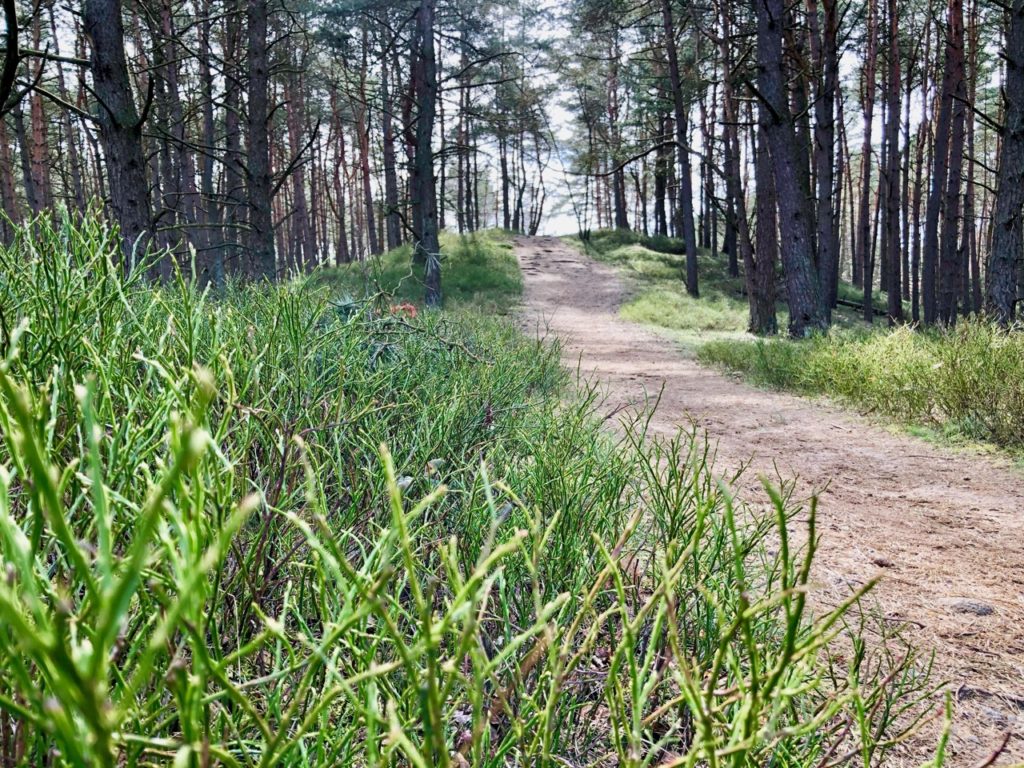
(657, 267)
(271, 528)
(965, 381)
(478, 269)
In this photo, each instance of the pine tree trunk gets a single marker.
(949, 265)
(120, 126)
(940, 172)
(392, 215)
(684, 207)
(825, 51)
(862, 258)
(892, 173)
(424, 199)
(261, 217)
(805, 307)
(1007, 252)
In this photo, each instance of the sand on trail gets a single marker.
(943, 529)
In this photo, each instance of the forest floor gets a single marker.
(943, 529)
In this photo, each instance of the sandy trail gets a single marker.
(944, 530)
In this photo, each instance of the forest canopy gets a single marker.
(877, 141)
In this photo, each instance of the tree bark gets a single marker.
(120, 126)
(684, 210)
(949, 263)
(392, 213)
(1007, 250)
(862, 259)
(940, 172)
(825, 49)
(424, 199)
(892, 173)
(806, 314)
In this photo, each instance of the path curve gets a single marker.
(944, 530)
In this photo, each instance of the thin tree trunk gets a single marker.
(949, 267)
(892, 172)
(684, 212)
(826, 53)
(424, 198)
(863, 256)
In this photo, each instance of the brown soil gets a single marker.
(944, 530)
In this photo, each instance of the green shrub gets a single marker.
(210, 558)
(967, 380)
(675, 310)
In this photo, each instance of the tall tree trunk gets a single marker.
(72, 138)
(662, 162)
(1007, 252)
(210, 212)
(862, 259)
(260, 182)
(759, 268)
(302, 236)
(825, 49)
(120, 125)
(805, 306)
(424, 198)
(684, 211)
(363, 129)
(8, 197)
(949, 267)
(940, 173)
(28, 179)
(392, 213)
(915, 253)
(235, 206)
(892, 172)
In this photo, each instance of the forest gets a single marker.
(883, 141)
(494, 383)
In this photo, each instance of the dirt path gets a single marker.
(944, 530)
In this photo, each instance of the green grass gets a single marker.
(269, 528)
(657, 268)
(477, 269)
(963, 383)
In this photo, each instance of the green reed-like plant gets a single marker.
(261, 528)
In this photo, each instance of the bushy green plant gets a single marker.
(966, 380)
(265, 528)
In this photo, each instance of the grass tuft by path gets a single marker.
(960, 384)
(656, 266)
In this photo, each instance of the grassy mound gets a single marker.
(477, 269)
(658, 267)
(268, 528)
(965, 382)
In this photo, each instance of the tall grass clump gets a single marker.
(965, 381)
(267, 528)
